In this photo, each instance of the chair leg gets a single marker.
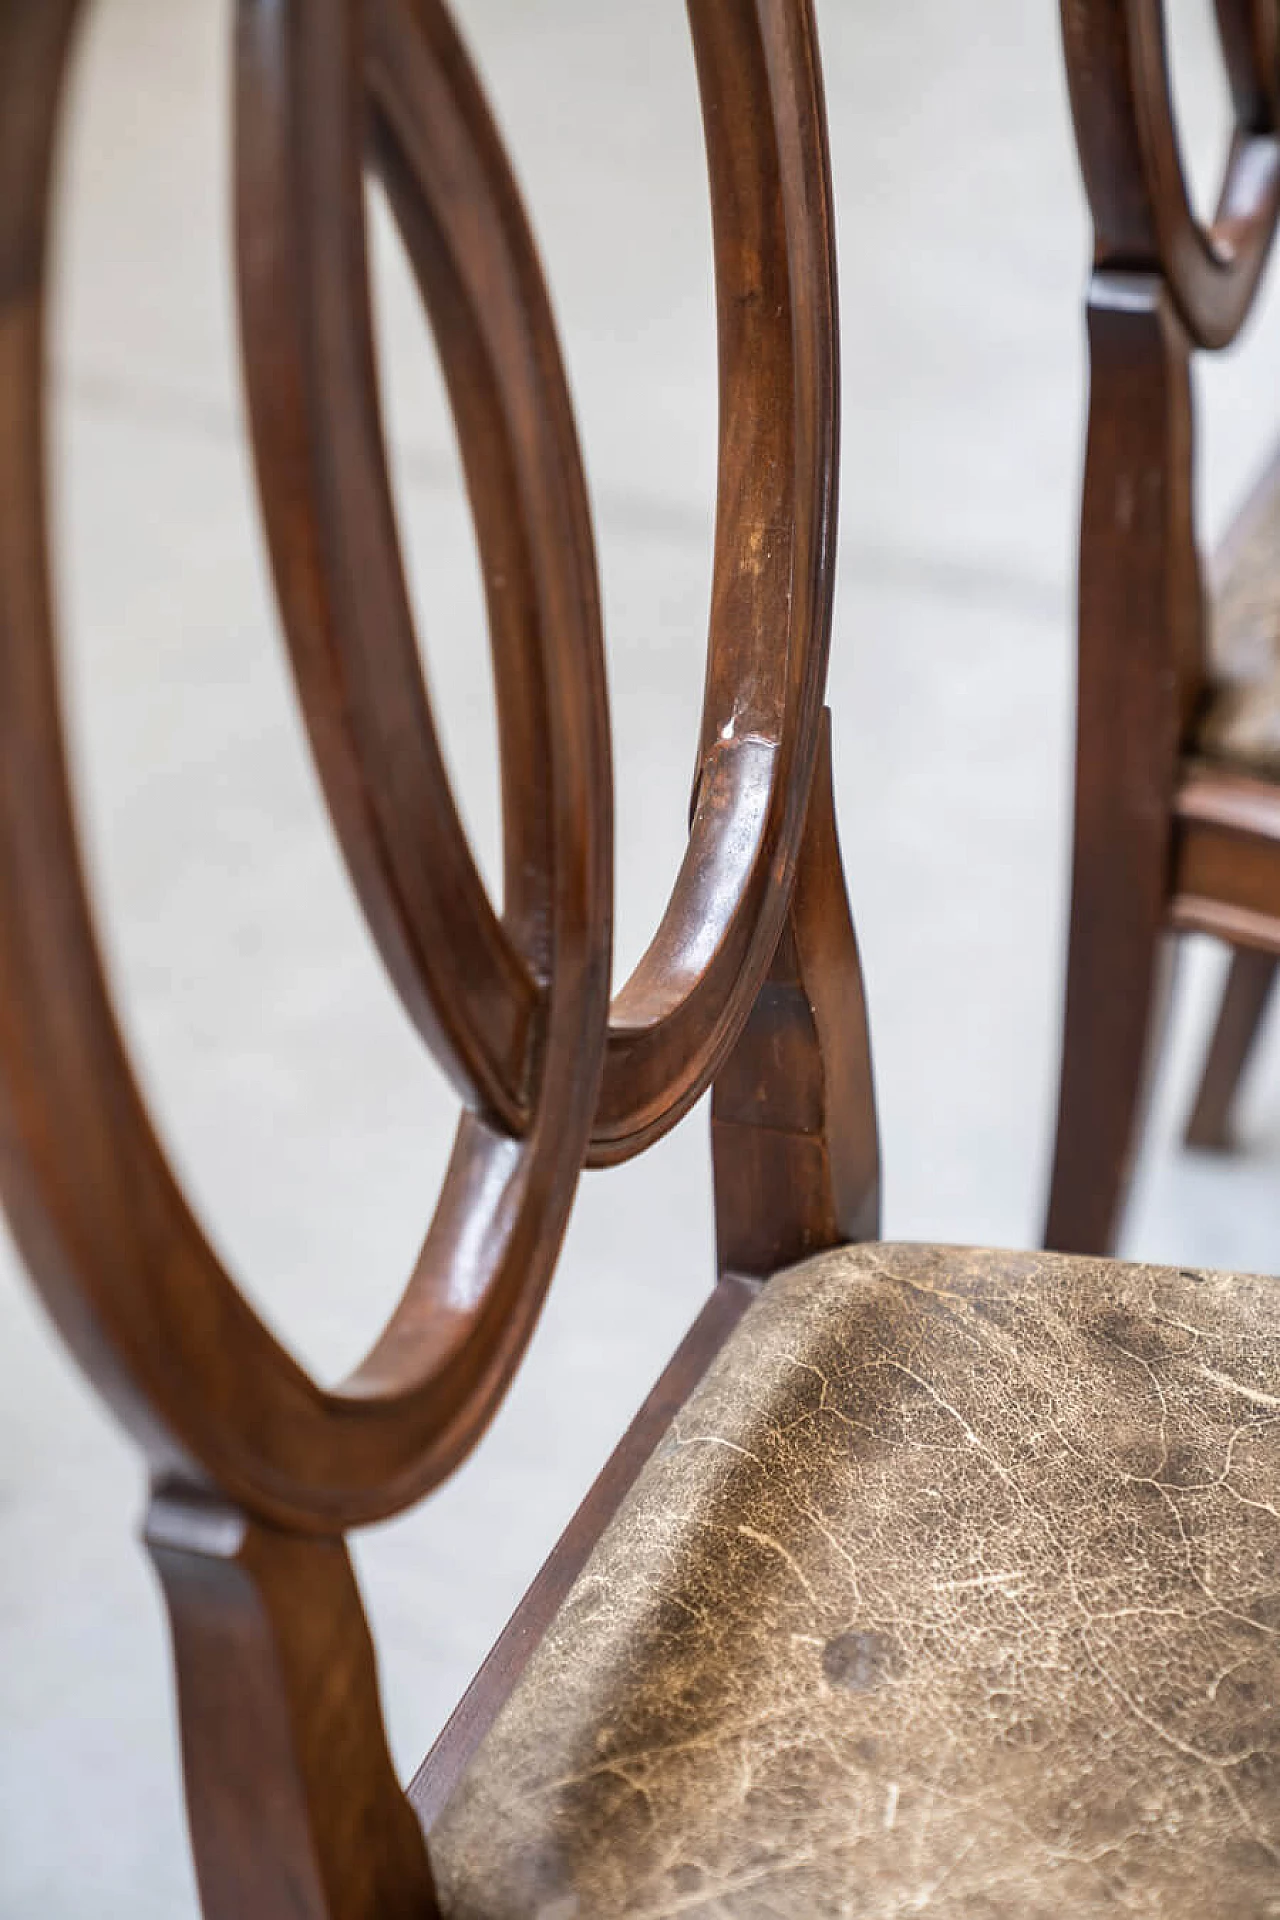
(1244, 1002)
(1140, 644)
(1118, 982)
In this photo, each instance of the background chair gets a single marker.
(920, 1512)
(1177, 827)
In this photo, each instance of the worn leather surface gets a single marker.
(1241, 723)
(954, 1590)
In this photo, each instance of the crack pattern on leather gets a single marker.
(954, 1590)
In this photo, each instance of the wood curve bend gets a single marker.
(257, 1469)
(1164, 285)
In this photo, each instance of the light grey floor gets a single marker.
(307, 1125)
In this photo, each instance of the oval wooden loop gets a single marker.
(136, 1287)
(514, 1007)
(473, 987)
(764, 117)
(683, 1008)
(1118, 69)
(771, 597)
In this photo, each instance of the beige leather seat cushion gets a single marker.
(1241, 723)
(955, 1590)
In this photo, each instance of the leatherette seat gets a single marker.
(954, 1590)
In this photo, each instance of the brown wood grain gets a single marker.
(751, 981)
(1139, 641)
(293, 1804)
(1127, 134)
(1161, 845)
(794, 1134)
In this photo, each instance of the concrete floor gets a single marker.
(294, 1098)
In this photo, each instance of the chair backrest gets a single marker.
(1164, 284)
(750, 983)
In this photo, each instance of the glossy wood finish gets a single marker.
(793, 1119)
(764, 119)
(1139, 645)
(752, 979)
(1163, 285)
(293, 1804)
(1118, 73)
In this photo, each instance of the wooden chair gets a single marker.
(926, 1580)
(1178, 753)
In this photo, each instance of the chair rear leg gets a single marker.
(1118, 982)
(1140, 644)
(1245, 999)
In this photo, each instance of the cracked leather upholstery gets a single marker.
(1241, 722)
(954, 1590)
